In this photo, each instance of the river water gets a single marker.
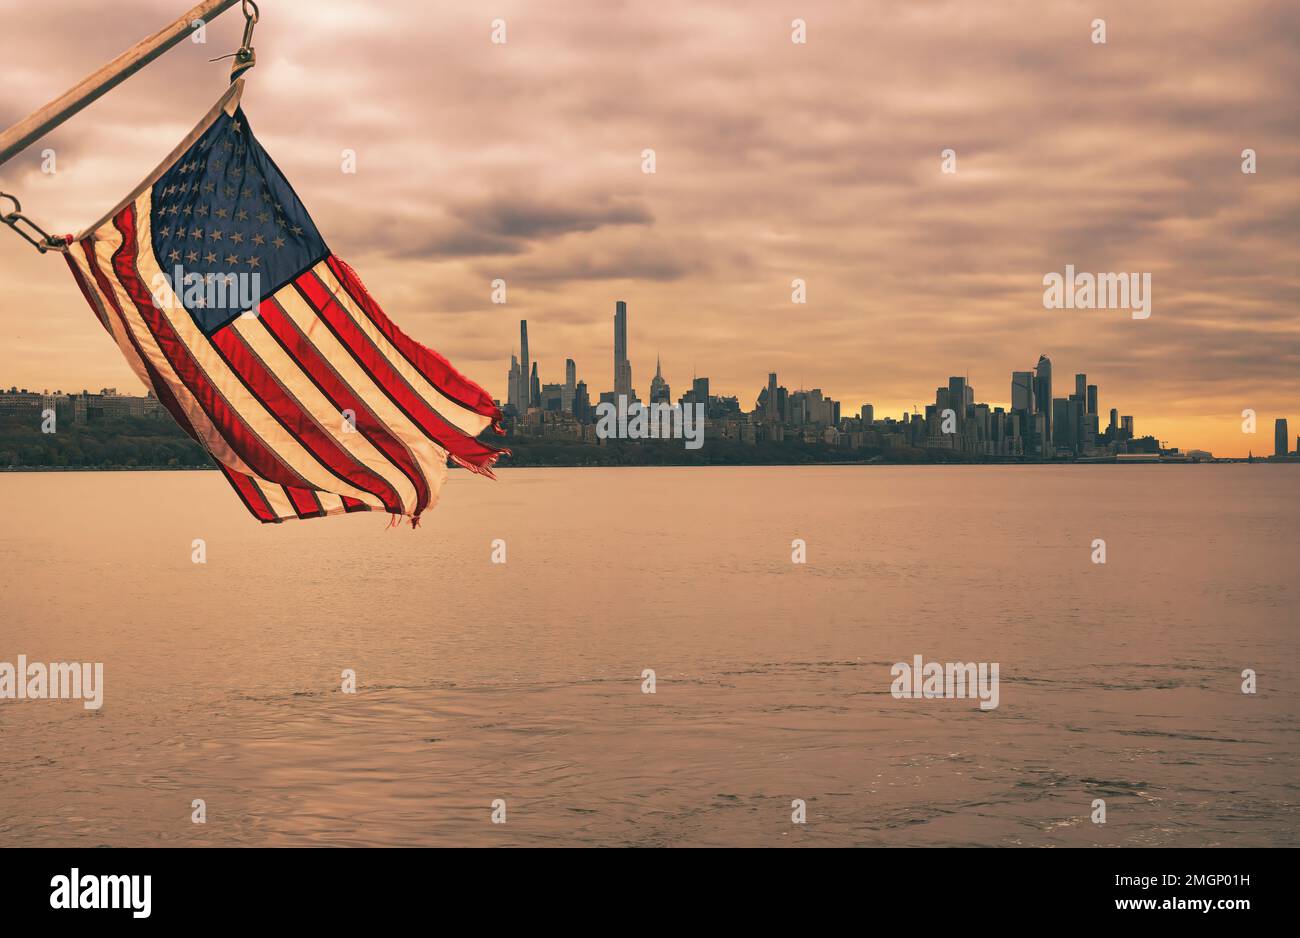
(522, 683)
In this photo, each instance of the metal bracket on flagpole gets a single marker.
(245, 57)
(30, 232)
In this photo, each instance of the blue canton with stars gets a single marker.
(225, 208)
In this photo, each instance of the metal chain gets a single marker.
(44, 240)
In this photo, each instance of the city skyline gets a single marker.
(765, 173)
(526, 380)
(1030, 392)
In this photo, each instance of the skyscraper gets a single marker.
(1280, 437)
(535, 390)
(1078, 424)
(1081, 387)
(700, 391)
(525, 397)
(570, 386)
(1126, 425)
(773, 408)
(622, 367)
(1043, 397)
(1114, 421)
(660, 392)
(1022, 391)
(512, 384)
(1092, 399)
(957, 396)
(1060, 417)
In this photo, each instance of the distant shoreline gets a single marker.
(756, 465)
(108, 468)
(153, 444)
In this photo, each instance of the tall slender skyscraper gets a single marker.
(773, 413)
(535, 391)
(1092, 399)
(524, 393)
(1280, 437)
(1081, 387)
(622, 367)
(570, 386)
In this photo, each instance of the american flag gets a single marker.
(308, 397)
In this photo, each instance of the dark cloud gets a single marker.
(509, 224)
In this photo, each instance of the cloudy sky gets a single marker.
(774, 161)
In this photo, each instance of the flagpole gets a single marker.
(36, 125)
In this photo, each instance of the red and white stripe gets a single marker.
(266, 394)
